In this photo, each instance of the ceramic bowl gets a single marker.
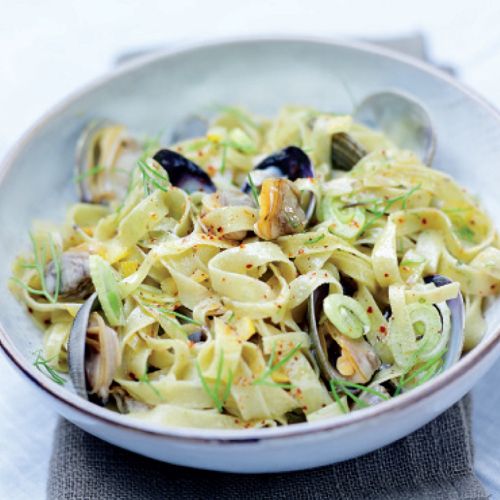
(261, 74)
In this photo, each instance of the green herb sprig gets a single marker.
(152, 177)
(421, 374)
(39, 264)
(255, 193)
(348, 388)
(271, 368)
(170, 312)
(90, 172)
(213, 392)
(312, 241)
(146, 380)
(377, 214)
(44, 367)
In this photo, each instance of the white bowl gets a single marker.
(262, 75)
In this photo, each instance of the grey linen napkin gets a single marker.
(435, 462)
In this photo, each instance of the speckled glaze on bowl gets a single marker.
(262, 75)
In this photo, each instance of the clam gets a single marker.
(399, 116)
(289, 163)
(74, 276)
(280, 211)
(457, 314)
(372, 398)
(93, 353)
(356, 361)
(184, 173)
(105, 155)
(189, 128)
(346, 151)
(402, 119)
(325, 345)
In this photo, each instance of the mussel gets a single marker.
(289, 163)
(105, 155)
(73, 274)
(184, 173)
(93, 353)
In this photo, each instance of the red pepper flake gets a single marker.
(211, 170)
(249, 266)
(242, 245)
(369, 310)
(298, 391)
(492, 287)
(220, 229)
(304, 407)
(424, 221)
(301, 251)
(401, 220)
(383, 329)
(386, 275)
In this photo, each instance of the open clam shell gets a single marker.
(457, 313)
(93, 353)
(105, 155)
(454, 346)
(402, 118)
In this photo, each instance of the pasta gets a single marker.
(256, 276)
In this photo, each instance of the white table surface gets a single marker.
(49, 48)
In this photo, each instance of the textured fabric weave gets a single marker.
(434, 462)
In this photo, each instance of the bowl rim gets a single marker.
(224, 436)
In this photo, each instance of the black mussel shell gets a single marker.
(291, 161)
(183, 173)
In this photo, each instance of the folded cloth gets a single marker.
(435, 462)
